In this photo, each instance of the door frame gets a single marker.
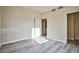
(42, 27)
(74, 27)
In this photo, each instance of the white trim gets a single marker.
(61, 41)
(14, 41)
(58, 40)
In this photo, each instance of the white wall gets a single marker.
(57, 23)
(17, 23)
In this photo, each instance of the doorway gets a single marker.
(44, 27)
(73, 28)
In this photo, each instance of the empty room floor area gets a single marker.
(32, 46)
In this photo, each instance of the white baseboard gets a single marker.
(58, 40)
(61, 41)
(14, 41)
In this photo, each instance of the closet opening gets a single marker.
(73, 28)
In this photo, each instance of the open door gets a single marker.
(44, 27)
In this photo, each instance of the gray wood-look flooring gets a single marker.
(31, 46)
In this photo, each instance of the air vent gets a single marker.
(60, 7)
(53, 9)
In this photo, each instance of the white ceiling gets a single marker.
(41, 9)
